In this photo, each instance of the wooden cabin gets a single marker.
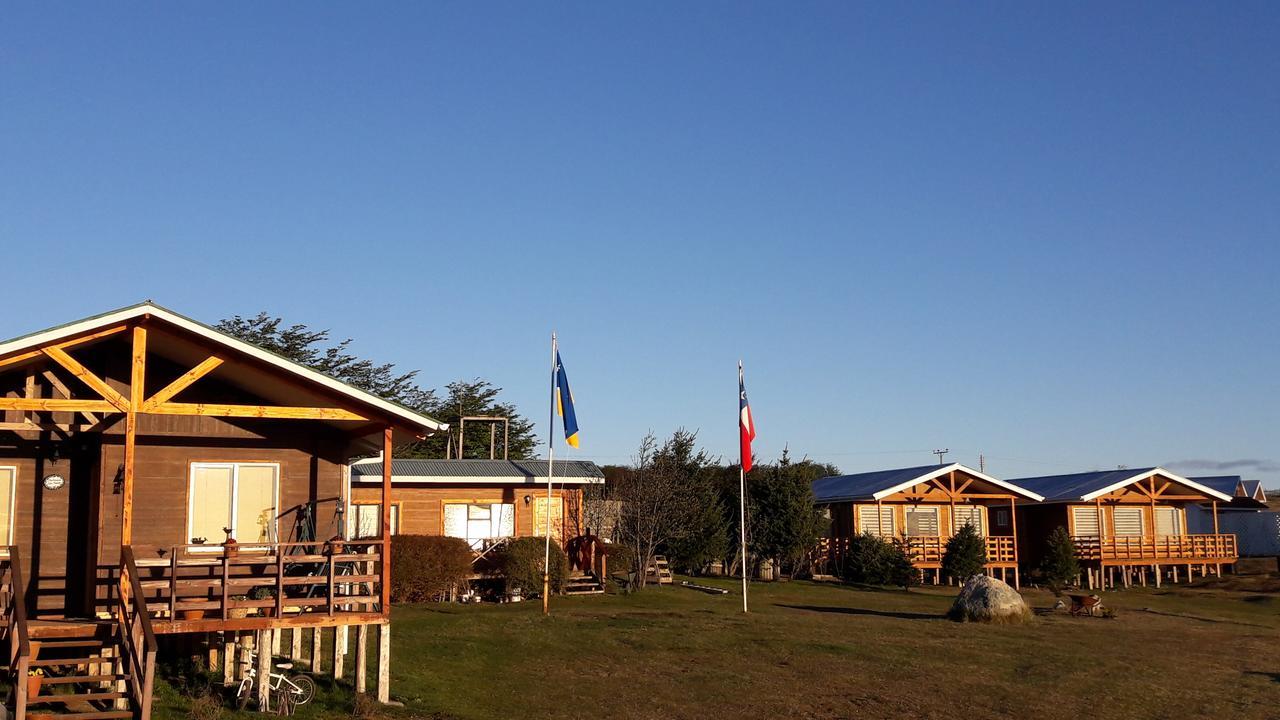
(921, 508)
(1126, 524)
(163, 484)
(484, 502)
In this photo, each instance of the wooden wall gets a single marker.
(422, 507)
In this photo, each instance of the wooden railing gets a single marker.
(923, 550)
(137, 639)
(210, 582)
(13, 610)
(1157, 547)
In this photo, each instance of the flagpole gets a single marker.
(742, 497)
(551, 454)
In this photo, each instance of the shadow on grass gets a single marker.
(863, 611)
(1275, 676)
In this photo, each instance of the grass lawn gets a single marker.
(827, 651)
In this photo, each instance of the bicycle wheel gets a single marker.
(283, 699)
(306, 689)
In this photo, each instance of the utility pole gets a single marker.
(940, 453)
(982, 463)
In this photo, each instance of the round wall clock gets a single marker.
(54, 482)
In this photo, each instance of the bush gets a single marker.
(965, 554)
(1059, 566)
(619, 558)
(876, 561)
(520, 561)
(424, 567)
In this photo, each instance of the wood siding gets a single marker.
(422, 507)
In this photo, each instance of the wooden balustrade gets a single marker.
(188, 583)
(1155, 547)
(923, 550)
(15, 632)
(137, 639)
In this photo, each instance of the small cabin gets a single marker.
(921, 508)
(1127, 524)
(485, 502)
(161, 480)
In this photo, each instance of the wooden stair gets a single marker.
(659, 571)
(82, 671)
(583, 584)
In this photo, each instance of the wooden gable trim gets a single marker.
(183, 382)
(86, 376)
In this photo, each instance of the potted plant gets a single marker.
(238, 613)
(230, 548)
(35, 678)
(262, 592)
(192, 614)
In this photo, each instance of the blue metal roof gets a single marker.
(1060, 488)
(1222, 483)
(863, 486)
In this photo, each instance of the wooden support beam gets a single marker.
(384, 663)
(295, 640)
(57, 405)
(317, 641)
(339, 650)
(183, 382)
(387, 435)
(362, 658)
(64, 345)
(253, 411)
(86, 376)
(263, 676)
(62, 388)
(44, 426)
(137, 373)
(229, 651)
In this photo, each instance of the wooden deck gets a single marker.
(1158, 549)
(925, 552)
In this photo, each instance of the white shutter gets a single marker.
(969, 515)
(1128, 521)
(1168, 521)
(868, 522)
(922, 521)
(1085, 520)
(455, 521)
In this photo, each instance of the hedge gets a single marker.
(520, 561)
(426, 567)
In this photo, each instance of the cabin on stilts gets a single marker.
(921, 508)
(1128, 526)
(486, 502)
(168, 488)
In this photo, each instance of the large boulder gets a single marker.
(986, 599)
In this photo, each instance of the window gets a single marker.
(8, 491)
(922, 521)
(1168, 521)
(969, 515)
(478, 522)
(1128, 520)
(1085, 520)
(1002, 517)
(881, 523)
(365, 521)
(239, 496)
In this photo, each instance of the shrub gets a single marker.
(424, 567)
(1059, 565)
(520, 561)
(876, 561)
(619, 558)
(965, 554)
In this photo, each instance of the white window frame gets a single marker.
(982, 527)
(353, 519)
(235, 496)
(879, 511)
(910, 510)
(13, 505)
(1178, 526)
(477, 543)
(1130, 512)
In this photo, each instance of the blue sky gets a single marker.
(1050, 235)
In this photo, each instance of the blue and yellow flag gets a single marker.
(564, 404)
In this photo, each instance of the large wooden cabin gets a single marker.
(160, 478)
(921, 508)
(1126, 523)
(485, 502)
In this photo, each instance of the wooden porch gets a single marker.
(925, 553)
(1141, 549)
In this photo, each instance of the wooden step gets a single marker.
(75, 697)
(75, 643)
(68, 679)
(59, 662)
(92, 715)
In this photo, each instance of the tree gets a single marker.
(658, 499)
(784, 523)
(1059, 565)
(965, 554)
(314, 349)
(874, 560)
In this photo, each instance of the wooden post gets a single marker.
(386, 522)
(229, 652)
(1155, 570)
(362, 657)
(316, 643)
(136, 398)
(1215, 517)
(339, 650)
(295, 651)
(212, 648)
(276, 638)
(263, 669)
(384, 663)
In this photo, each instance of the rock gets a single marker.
(986, 599)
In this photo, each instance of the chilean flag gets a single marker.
(746, 426)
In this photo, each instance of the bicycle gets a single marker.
(283, 692)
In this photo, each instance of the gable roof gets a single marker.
(445, 472)
(1082, 487)
(883, 483)
(150, 309)
(1249, 491)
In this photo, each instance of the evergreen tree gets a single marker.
(965, 554)
(784, 524)
(1059, 566)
